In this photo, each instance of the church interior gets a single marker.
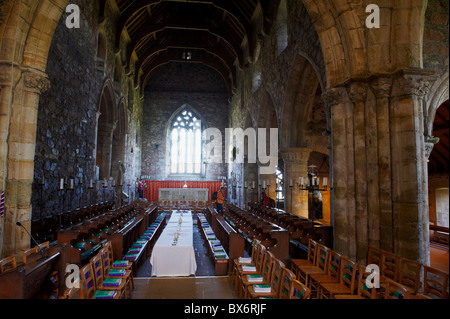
(224, 149)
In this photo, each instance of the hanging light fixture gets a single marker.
(311, 182)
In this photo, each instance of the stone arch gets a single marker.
(281, 27)
(106, 124)
(168, 133)
(301, 91)
(26, 33)
(119, 139)
(345, 40)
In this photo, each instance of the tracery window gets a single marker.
(186, 143)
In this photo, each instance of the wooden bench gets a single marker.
(215, 249)
(231, 240)
(141, 248)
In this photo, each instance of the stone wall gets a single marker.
(67, 119)
(168, 90)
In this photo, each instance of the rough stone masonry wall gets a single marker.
(66, 128)
(169, 89)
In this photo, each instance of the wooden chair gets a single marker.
(241, 271)
(237, 263)
(299, 290)
(119, 264)
(390, 265)
(256, 254)
(435, 283)
(332, 274)
(363, 291)
(346, 284)
(265, 273)
(374, 256)
(8, 263)
(112, 273)
(309, 261)
(71, 293)
(275, 283)
(286, 283)
(97, 267)
(409, 274)
(88, 288)
(394, 290)
(29, 252)
(322, 259)
(45, 245)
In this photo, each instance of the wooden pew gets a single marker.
(221, 261)
(253, 226)
(34, 279)
(232, 241)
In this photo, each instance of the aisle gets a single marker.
(205, 266)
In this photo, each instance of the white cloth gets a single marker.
(178, 260)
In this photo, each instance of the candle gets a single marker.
(91, 183)
(301, 181)
(291, 183)
(253, 185)
(43, 181)
(325, 182)
(307, 181)
(246, 184)
(71, 183)
(61, 184)
(264, 184)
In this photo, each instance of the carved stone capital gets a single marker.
(381, 87)
(414, 83)
(357, 91)
(335, 96)
(295, 155)
(36, 81)
(429, 145)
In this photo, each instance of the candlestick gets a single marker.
(71, 183)
(325, 182)
(61, 184)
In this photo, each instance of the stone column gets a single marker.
(357, 92)
(383, 222)
(409, 168)
(343, 171)
(295, 166)
(250, 175)
(9, 77)
(21, 152)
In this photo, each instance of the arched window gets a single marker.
(186, 143)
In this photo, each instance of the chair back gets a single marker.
(277, 273)
(409, 274)
(348, 273)
(8, 263)
(286, 281)
(106, 261)
(29, 252)
(374, 256)
(108, 246)
(87, 282)
(255, 248)
(299, 290)
(435, 282)
(390, 264)
(97, 268)
(322, 259)
(363, 290)
(266, 271)
(260, 257)
(394, 290)
(334, 264)
(312, 251)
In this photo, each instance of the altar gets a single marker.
(184, 194)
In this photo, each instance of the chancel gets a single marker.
(108, 180)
